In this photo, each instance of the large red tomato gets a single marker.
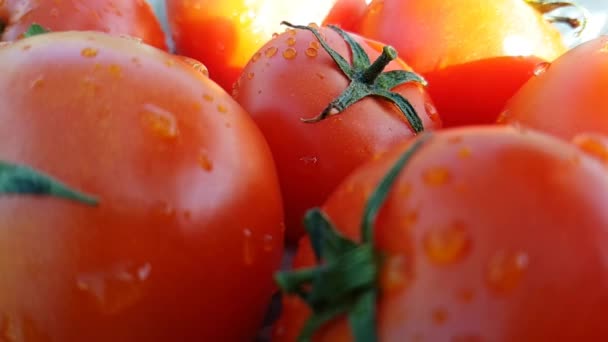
(127, 17)
(346, 14)
(486, 234)
(189, 206)
(468, 50)
(568, 97)
(293, 78)
(224, 35)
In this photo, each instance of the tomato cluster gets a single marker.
(436, 169)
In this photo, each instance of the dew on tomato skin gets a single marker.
(431, 111)
(503, 117)
(115, 70)
(222, 108)
(24, 47)
(447, 245)
(37, 83)
(436, 176)
(309, 160)
(274, 35)
(592, 146)
(89, 52)
(439, 316)
(291, 41)
(271, 51)
(117, 289)
(465, 295)
(207, 97)
(505, 271)
(313, 25)
(311, 52)
(395, 274)
(541, 68)
(54, 12)
(160, 121)
(250, 75)
(256, 56)
(131, 38)
(604, 48)
(164, 210)
(268, 243)
(196, 65)
(248, 252)
(464, 152)
(290, 31)
(410, 219)
(204, 162)
(290, 53)
(320, 75)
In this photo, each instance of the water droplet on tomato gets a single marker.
(274, 35)
(117, 289)
(26, 47)
(314, 44)
(207, 97)
(256, 56)
(268, 243)
(89, 52)
(311, 52)
(505, 271)
(222, 109)
(464, 152)
(465, 295)
(431, 111)
(250, 75)
(439, 316)
(271, 51)
(291, 31)
(37, 83)
(313, 25)
(115, 70)
(309, 160)
(593, 146)
(248, 248)
(54, 12)
(447, 245)
(160, 121)
(131, 38)
(436, 176)
(376, 6)
(5, 44)
(540, 68)
(290, 53)
(395, 274)
(196, 65)
(204, 162)
(291, 41)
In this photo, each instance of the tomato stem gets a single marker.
(577, 23)
(371, 74)
(344, 281)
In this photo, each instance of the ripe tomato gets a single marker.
(224, 35)
(569, 97)
(293, 77)
(129, 17)
(346, 14)
(189, 202)
(444, 39)
(486, 234)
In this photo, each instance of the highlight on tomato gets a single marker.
(475, 54)
(326, 101)
(471, 234)
(168, 201)
(133, 18)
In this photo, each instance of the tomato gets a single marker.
(440, 39)
(567, 97)
(189, 203)
(292, 77)
(224, 35)
(346, 14)
(125, 17)
(486, 234)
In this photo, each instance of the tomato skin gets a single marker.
(183, 221)
(522, 262)
(435, 37)
(224, 35)
(312, 158)
(346, 14)
(126, 17)
(568, 98)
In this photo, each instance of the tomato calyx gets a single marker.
(34, 30)
(366, 78)
(578, 23)
(22, 180)
(344, 282)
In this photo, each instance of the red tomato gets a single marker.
(441, 39)
(568, 97)
(189, 212)
(224, 35)
(487, 234)
(346, 14)
(125, 17)
(293, 77)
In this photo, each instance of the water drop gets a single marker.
(290, 53)
(24, 48)
(207, 97)
(410, 219)
(291, 31)
(268, 243)
(314, 45)
(431, 111)
(164, 210)
(131, 38)
(310, 52)
(395, 274)
(6, 44)
(540, 68)
(196, 65)
(447, 245)
(160, 121)
(376, 6)
(117, 289)
(593, 146)
(250, 75)
(320, 75)
(248, 247)
(604, 49)
(291, 41)
(37, 83)
(439, 316)
(274, 35)
(255, 57)
(54, 12)
(436, 176)
(465, 295)
(309, 160)
(115, 70)
(222, 108)
(89, 52)
(505, 271)
(271, 51)
(204, 162)
(464, 152)
(313, 25)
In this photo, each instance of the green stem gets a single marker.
(373, 71)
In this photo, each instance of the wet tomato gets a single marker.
(293, 78)
(471, 234)
(480, 40)
(189, 206)
(125, 17)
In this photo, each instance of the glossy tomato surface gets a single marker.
(437, 38)
(224, 35)
(488, 234)
(188, 231)
(125, 17)
(568, 96)
(291, 78)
